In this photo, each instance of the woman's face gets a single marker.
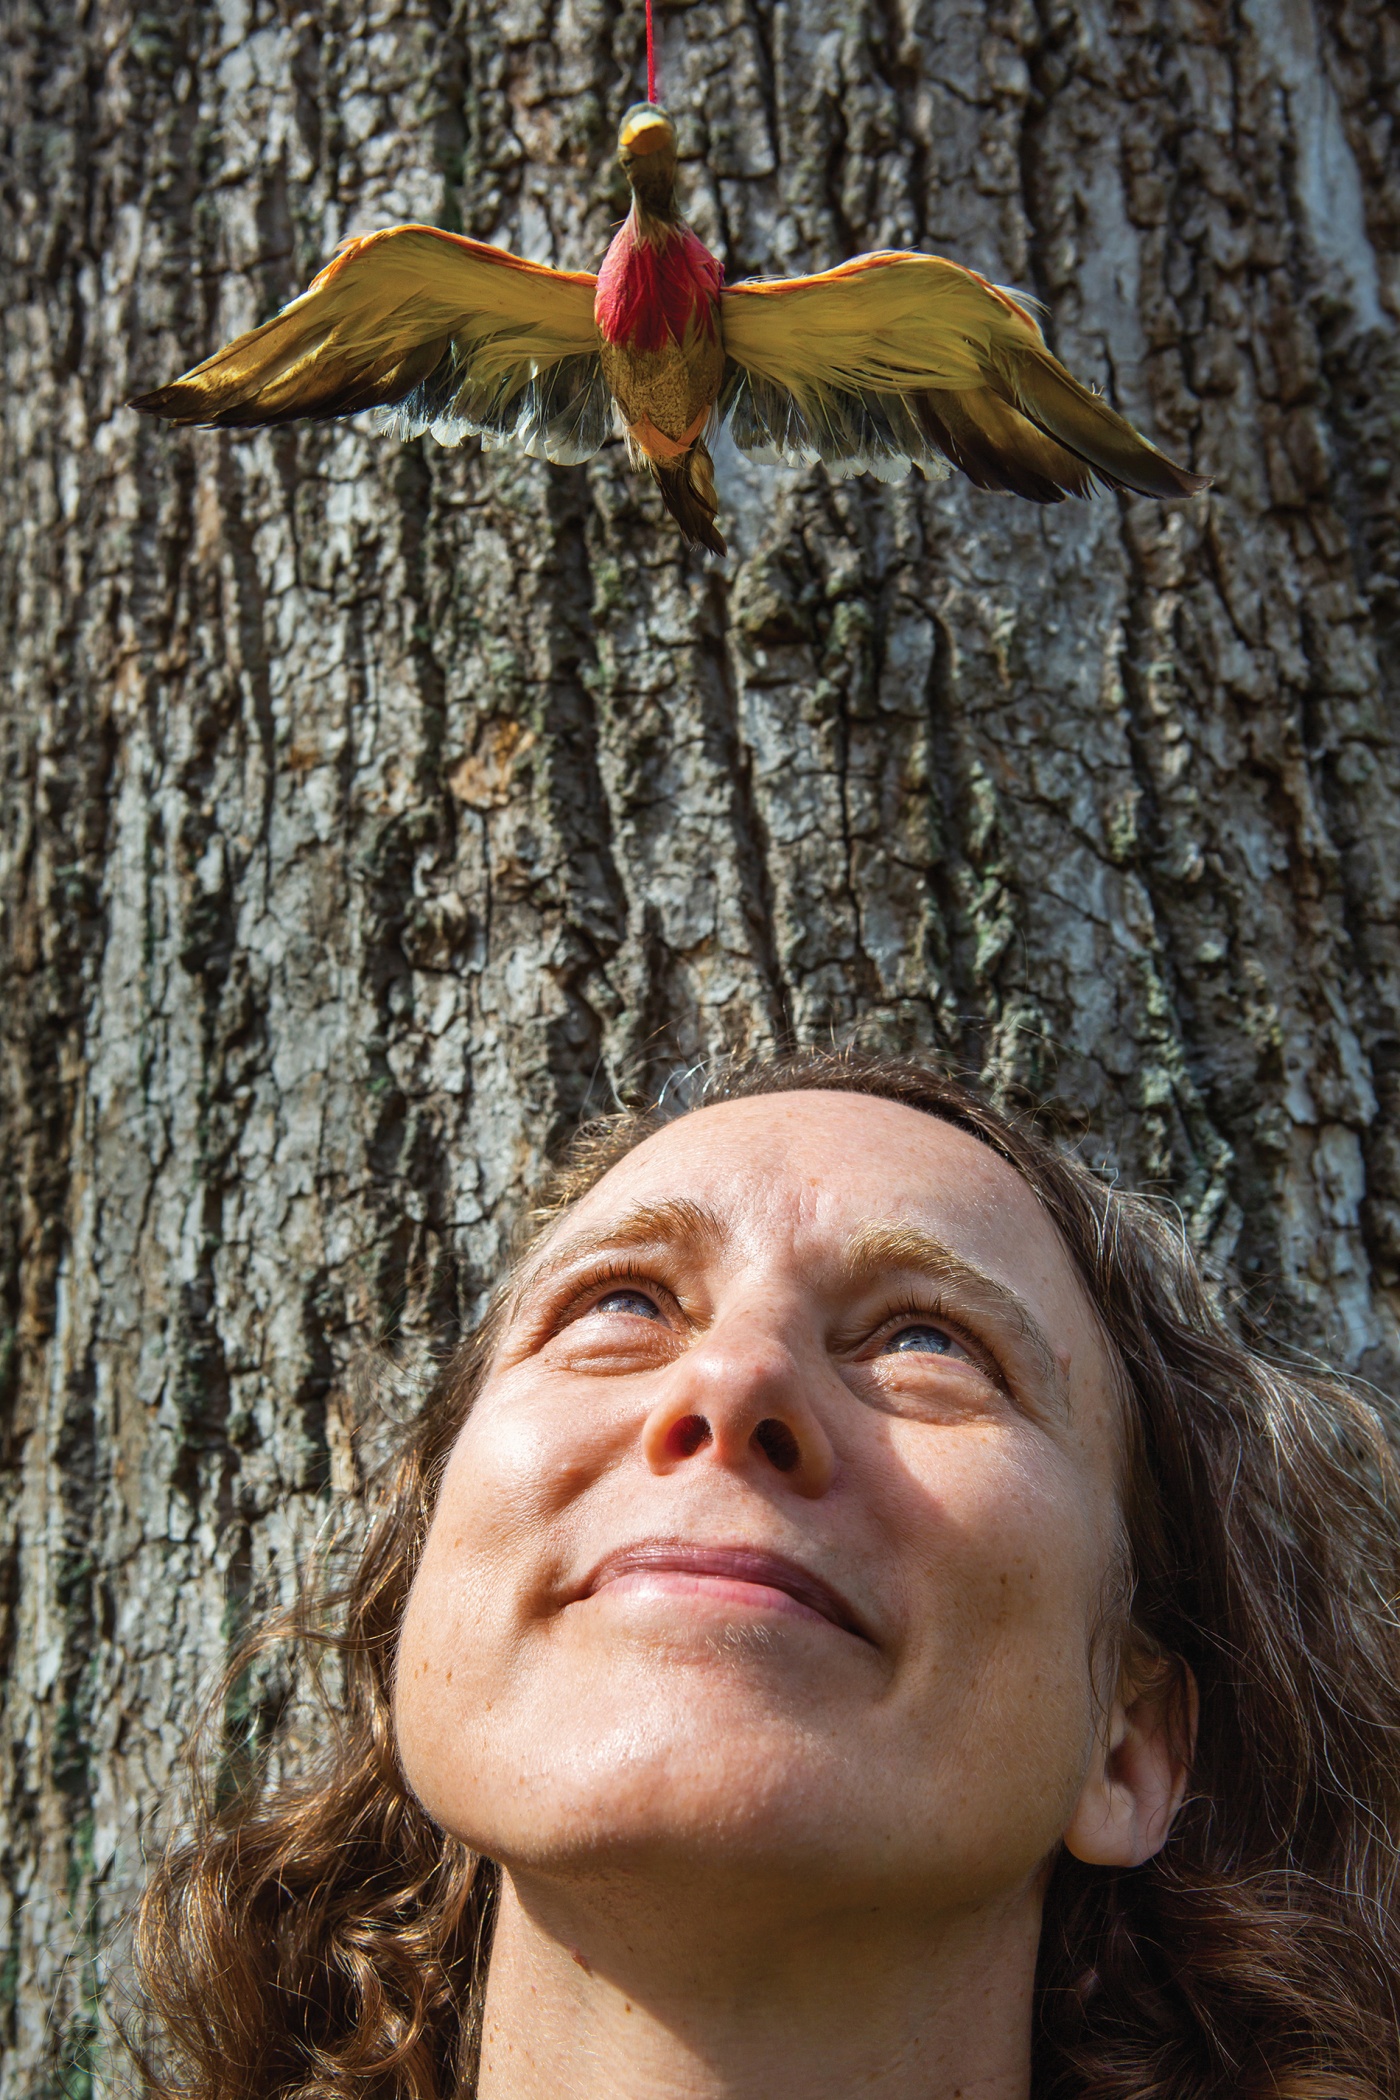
(776, 1541)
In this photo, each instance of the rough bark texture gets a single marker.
(369, 810)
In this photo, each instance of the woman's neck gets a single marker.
(595, 1996)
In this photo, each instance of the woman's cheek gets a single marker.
(538, 1437)
(491, 1565)
(1009, 1543)
(1015, 1577)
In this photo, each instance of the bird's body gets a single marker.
(659, 284)
(889, 361)
(661, 347)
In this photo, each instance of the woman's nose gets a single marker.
(737, 1399)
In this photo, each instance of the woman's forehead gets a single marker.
(815, 1167)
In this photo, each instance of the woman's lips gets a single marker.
(744, 1576)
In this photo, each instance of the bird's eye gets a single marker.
(636, 1303)
(921, 1339)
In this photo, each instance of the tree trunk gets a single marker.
(373, 811)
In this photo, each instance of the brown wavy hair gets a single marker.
(316, 1937)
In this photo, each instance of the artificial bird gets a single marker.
(888, 361)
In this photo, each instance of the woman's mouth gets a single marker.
(744, 1578)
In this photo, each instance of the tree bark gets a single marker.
(371, 812)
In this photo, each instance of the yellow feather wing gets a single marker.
(894, 359)
(440, 331)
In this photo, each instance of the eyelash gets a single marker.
(615, 1275)
(910, 1315)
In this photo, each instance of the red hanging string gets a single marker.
(651, 59)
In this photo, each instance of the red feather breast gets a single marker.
(647, 293)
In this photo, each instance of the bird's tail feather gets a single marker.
(687, 488)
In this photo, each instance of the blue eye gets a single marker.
(928, 1341)
(634, 1302)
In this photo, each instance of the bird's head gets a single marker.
(646, 147)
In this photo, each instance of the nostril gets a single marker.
(686, 1437)
(777, 1443)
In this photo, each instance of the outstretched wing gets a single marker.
(895, 360)
(436, 332)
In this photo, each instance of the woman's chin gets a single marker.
(668, 1830)
(672, 1767)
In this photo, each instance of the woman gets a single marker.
(853, 1620)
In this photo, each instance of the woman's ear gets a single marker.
(1141, 1765)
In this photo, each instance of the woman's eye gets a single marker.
(636, 1303)
(923, 1340)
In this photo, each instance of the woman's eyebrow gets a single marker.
(873, 1250)
(676, 1222)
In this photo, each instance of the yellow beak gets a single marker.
(646, 135)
